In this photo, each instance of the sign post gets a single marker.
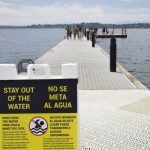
(39, 114)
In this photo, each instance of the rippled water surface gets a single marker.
(133, 52)
(16, 44)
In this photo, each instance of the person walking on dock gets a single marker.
(103, 31)
(124, 31)
(88, 33)
(74, 33)
(78, 32)
(69, 33)
(67, 29)
(113, 31)
(107, 31)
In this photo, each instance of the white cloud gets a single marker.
(55, 13)
(67, 13)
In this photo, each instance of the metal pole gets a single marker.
(113, 54)
(85, 32)
(93, 39)
(87, 35)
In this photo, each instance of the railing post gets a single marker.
(113, 54)
(93, 39)
(88, 35)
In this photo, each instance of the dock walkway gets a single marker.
(114, 113)
(93, 65)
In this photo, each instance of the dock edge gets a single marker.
(133, 79)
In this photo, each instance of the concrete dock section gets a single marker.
(114, 112)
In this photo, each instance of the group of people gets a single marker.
(89, 32)
(105, 31)
(124, 31)
(76, 32)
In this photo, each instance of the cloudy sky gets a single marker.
(26, 12)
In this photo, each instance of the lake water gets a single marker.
(133, 52)
(17, 44)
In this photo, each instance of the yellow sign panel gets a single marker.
(39, 114)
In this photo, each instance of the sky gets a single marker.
(27, 12)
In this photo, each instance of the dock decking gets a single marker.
(93, 65)
(114, 113)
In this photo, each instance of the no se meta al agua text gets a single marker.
(23, 97)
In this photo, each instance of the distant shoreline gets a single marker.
(88, 25)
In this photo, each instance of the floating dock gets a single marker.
(110, 36)
(114, 107)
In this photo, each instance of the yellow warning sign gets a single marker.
(39, 114)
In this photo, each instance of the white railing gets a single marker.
(37, 71)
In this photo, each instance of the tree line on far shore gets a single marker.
(88, 25)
